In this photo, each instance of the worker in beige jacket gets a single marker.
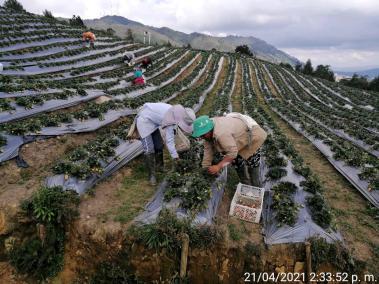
(238, 137)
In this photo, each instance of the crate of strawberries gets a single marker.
(247, 203)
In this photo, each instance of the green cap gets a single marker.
(202, 125)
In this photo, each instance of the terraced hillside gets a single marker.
(65, 111)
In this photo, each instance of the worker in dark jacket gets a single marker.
(146, 62)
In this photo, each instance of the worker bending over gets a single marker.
(88, 37)
(171, 119)
(146, 62)
(238, 137)
(139, 79)
(129, 58)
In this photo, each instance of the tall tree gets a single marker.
(244, 49)
(324, 72)
(13, 5)
(76, 21)
(299, 67)
(110, 31)
(374, 84)
(308, 69)
(129, 35)
(286, 65)
(47, 14)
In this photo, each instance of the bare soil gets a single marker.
(164, 74)
(189, 70)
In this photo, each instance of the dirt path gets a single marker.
(239, 232)
(189, 70)
(236, 96)
(163, 76)
(208, 103)
(359, 229)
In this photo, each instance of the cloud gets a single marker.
(287, 24)
(337, 58)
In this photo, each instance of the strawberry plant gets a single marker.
(311, 184)
(285, 209)
(5, 105)
(321, 213)
(285, 188)
(89, 159)
(276, 173)
(3, 141)
(189, 182)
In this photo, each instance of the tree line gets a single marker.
(321, 71)
(362, 82)
(324, 72)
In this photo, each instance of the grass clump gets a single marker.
(166, 233)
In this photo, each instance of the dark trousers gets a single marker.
(152, 143)
(248, 170)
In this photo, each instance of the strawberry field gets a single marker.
(70, 178)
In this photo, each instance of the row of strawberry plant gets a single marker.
(170, 73)
(89, 159)
(36, 48)
(314, 110)
(189, 182)
(353, 95)
(37, 39)
(343, 150)
(92, 110)
(222, 99)
(11, 34)
(90, 57)
(342, 110)
(66, 53)
(174, 69)
(112, 62)
(29, 101)
(276, 143)
(340, 107)
(191, 97)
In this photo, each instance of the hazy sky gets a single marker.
(342, 33)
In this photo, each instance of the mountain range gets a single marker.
(163, 35)
(370, 73)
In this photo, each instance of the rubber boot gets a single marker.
(159, 161)
(150, 165)
(255, 176)
(242, 174)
